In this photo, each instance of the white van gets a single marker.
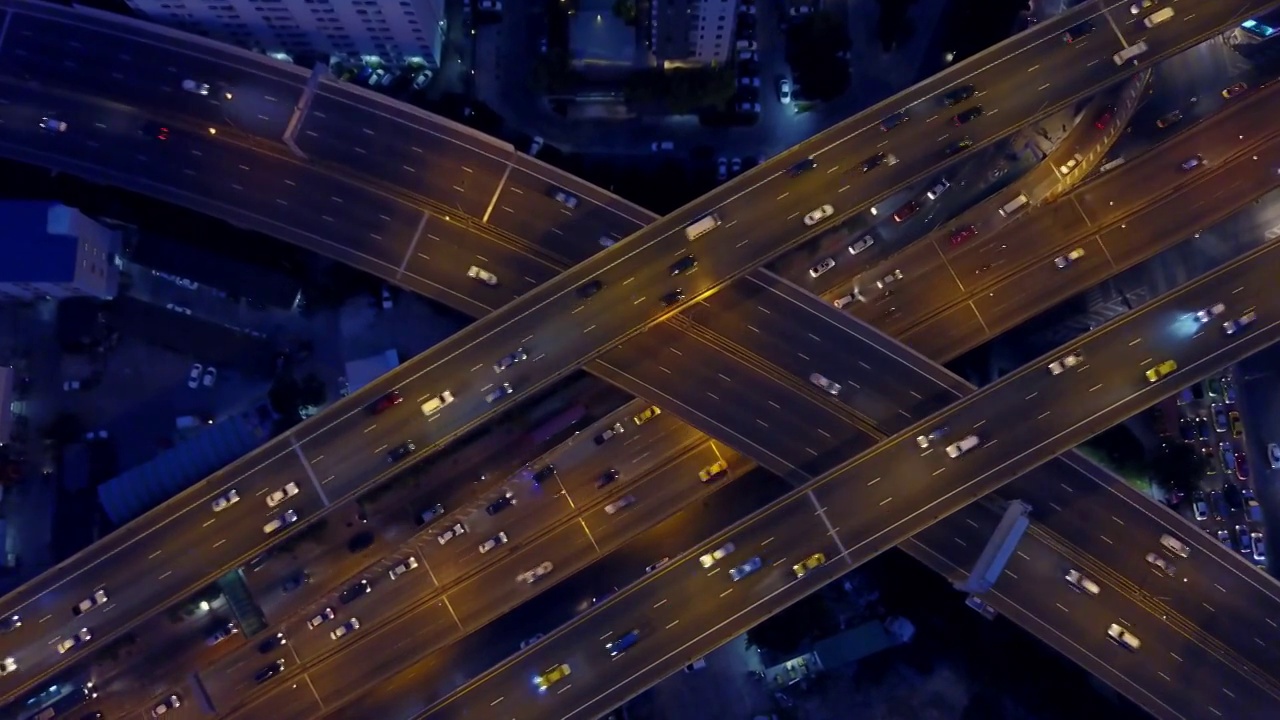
(437, 402)
(1129, 53)
(956, 449)
(1158, 17)
(702, 227)
(1014, 205)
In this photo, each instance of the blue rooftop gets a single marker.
(29, 253)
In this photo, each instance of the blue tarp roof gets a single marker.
(139, 489)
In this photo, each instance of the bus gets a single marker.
(56, 701)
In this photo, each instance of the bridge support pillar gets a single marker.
(302, 107)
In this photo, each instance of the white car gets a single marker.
(1082, 583)
(1141, 5)
(82, 636)
(53, 124)
(193, 377)
(964, 445)
(826, 385)
(198, 88)
(482, 275)
(173, 702)
(98, 597)
(451, 533)
(347, 627)
(818, 215)
(937, 190)
(282, 494)
(284, 520)
(1209, 313)
(404, 567)
(1125, 638)
(784, 90)
(619, 504)
(843, 302)
(226, 500)
(566, 199)
(493, 542)
(1175, 546)
(866, 242)
(324, 615)
(210, 376)
(1066, 362)
(823, 265)
(719, 553)
(529, 576)
(8, 665)
(888, 279)
(1064, 260)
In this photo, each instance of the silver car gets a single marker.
(282, 494)
(827, 386)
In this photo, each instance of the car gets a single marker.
(1077, 32)
(154, 130)
(1273, 454)
(1175, 546)
(646, 415)
(1160, 562)
(1244, 542)
(894, 120)
(959, 146)
(932, 436)
(282, 521)
(1228, 455)
(8, 665)
(1155, 373)
(518, 355)
(1242, 466)
(9, 624)
(748, 56)
(1169, 119)
(181, 310)
(818, 215)
(822, 266)
(422, 79)
(827, 386)
(960, 235)
(1066, 362)
(355, 592)
(1224, 537)
(83, 635)
(1231, 327)
(493, 542)
(565, 198)
(272, 643)
(803, 567)
(99, 597)
(170, 703)
(222, 632)
(1234, 90)
(1219, 417)
(877, 160)
(936, 191)
(667, 145)
(1206, 314)
(226, 500)
(498, 393)
(887, 280)
(543, 474)
(622, 643)
(750, 108)
(530, 641)
(784, 90)
(657, 565)
(711, 558)
(1192, 162)
(906, 211)
(401, 451)
(53, 125)
(609, 433)
(1081, 583)
(672, 298)
(504, 501)
(451, 533)
(282, 494)
(345, 628)
(714, 471)
(1064, 260)
(409, 563)
(959, 95)
(551, 676)
(295, 581)
(1200, 507)
(1187, 430)
(1141, 5)
(967, 116)
(962, 446)
(683, 266)
(535, 146)
(484, 276)
(1259, 548)
(193, 377)
(607, 477)
(531, 575)
(385, 402)
(843, 301)
(1203, 430)
(431, 513)
(1105, 117)
(722, 169)
(860, 245)
(802, 167)
(1123, 637)
(197, 88)
(746, 568)
(619, 504)
(735, 165)
(588, 291)
(269, 672)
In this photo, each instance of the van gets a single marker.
(437, 402)
(702, 227)
(1158, 17)
(956, 449)
(1014, 205)
(1175, 546)
(1129, 53)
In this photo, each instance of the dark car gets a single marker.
(269, 671)
(1077, 32)
(959, 95)
(502, 503)
(969, 115)
(622, 643)
(270, 643)
(876, 161)
(295, 581)
(360, 541)
(894, 120)
(672, 298)
(401, 451)
(1187, 430)
(154, 130)
(959, 146)
(802, 167)
(684, 265)
(389, 400)
(543, 474)
(355, 592)
(590, 289)
(1104, 118)
(1203, 428)
(608, 477)
(906, 211)
(9, 624)
(430, 514)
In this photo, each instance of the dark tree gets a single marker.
(784, 633)
(1121, 447)
(1177, 468)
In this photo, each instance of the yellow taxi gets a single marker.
(649, 413)
(551, 676)
(802, 568)
(1159, 371)
(714, 471)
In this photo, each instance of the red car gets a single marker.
(906, 211)
(961, 234)
(386, 401)
(1104, 117)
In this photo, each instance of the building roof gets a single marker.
(851, 646)
(674, 20)
(239, 279)
(30, 253)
